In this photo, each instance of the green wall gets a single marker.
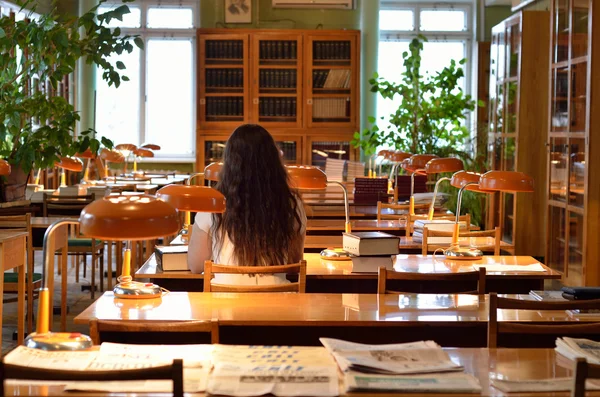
(212, 15)
(492, 17)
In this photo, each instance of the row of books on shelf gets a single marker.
(289, 149)
(331, 50)
(277, 107)
(224, 49)
(334, 78)
(225, 106)
(278, 78)
(331, 108)
(225, 78)
(277, 49)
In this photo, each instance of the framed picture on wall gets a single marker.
(238, 11)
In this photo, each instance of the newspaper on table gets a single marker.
(573, 348)
(279, 370)
(116, 357)
(393, 359)
(424, 383)
(540, 385)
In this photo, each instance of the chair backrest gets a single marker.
(583, 371)
(97, 327)
(21, 223)
(381, 206)
(66, 205)
(173, 372)
(211, 268)
(496, 328)
(477, 278)
(410, 220)
(492, 243)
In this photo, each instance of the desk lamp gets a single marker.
(437, 166)
(397, 158)
(140, 152)
(4, 167)
(416, 165)
(469, 181)
(110, 156)
(68, 163)
(126, 149)
(212, 171)
(150, 146)
(88, 155)
(190, 198)
(111, 218)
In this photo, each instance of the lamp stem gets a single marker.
(346, 205)
(86, 173)
(455, 232)
(37, 178)
(435, 190)
(189, 180)
(126, 269)
(395, 181)
(134, 165)
(63, 178)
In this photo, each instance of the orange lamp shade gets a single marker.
(69, 163)
(419, 161)
(506, 181)
(122, 218)
(126, 146)
(447, 164)
(150, 146)
(306, 177)
(383, 153)
(4, 167)
(397, 157)
(112, 156)
(212, 171)
(193, 198)
(142, 152)
(461, 178)
(86, 154)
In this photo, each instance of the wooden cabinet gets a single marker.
(517, 126)
(573, 188)
(301, 85)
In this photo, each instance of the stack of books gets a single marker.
(369, 191)
(355, 169)
(403, 183)
(371, 250)
(334, 169)
(441, 225)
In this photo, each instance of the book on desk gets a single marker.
(171, 257)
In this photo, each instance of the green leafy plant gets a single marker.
(36, 125)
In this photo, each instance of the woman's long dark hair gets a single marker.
(261, 218)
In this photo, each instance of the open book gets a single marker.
(573, 348)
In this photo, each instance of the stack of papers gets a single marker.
(417, 366)
(356, 169)
(335, 169)
(439, 225)
(573, 348)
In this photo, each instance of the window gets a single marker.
(157, 105)
(447, 27)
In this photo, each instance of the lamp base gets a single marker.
(136, 290)
(53, 341)
(463, 253)
(335, 254)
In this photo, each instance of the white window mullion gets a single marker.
(143, 93)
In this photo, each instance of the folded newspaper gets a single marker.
(278, 370)
(540, 385)
(393, 359)
(424, 383)
(573, 348)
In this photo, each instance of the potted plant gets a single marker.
(431, 117)
(37, 124)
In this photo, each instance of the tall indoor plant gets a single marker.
(37, 126)
(431, 115)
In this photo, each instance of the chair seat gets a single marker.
(80, 242)
(10, 277)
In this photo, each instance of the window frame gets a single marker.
(164, 33)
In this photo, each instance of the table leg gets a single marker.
(63, 293)
(1, 294)
(50, 276)
(21, 301)
(30, 272)
(109, 246)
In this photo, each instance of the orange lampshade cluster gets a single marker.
(212, 171)
(70, 164)
(417, 162)
(112, 156)
(86, 154)
(493, 181)
(441, 165)
(306, 177)
(193, 198)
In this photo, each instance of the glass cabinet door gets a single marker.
(558, 169)
(321, 150)
(560, 31)
(556, 240)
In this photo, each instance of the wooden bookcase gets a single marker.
(573, 187)
(301, 85)
(517, 126)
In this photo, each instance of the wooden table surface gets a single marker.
(484, 364)
(406, 242)
(452, 320)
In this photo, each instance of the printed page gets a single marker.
(573, 348)
(540, 385)
(59, 360)
(455, 383)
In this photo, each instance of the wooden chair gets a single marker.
(173, 372)
(381, 206)
(211, 268)
(475, 277)
(494, 245)
(97, 327)
(583, 371)
(33, 280)
(78, 246)
(410, 220)
(495, 328)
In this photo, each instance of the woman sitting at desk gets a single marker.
(264, 223)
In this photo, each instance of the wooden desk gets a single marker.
(509, 364)
(407, 243)
(13, 255)
(281, 318)
(336, 276)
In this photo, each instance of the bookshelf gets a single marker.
(572, 187)
(301, 85)
(517, 124)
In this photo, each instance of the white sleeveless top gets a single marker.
(203, 221)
